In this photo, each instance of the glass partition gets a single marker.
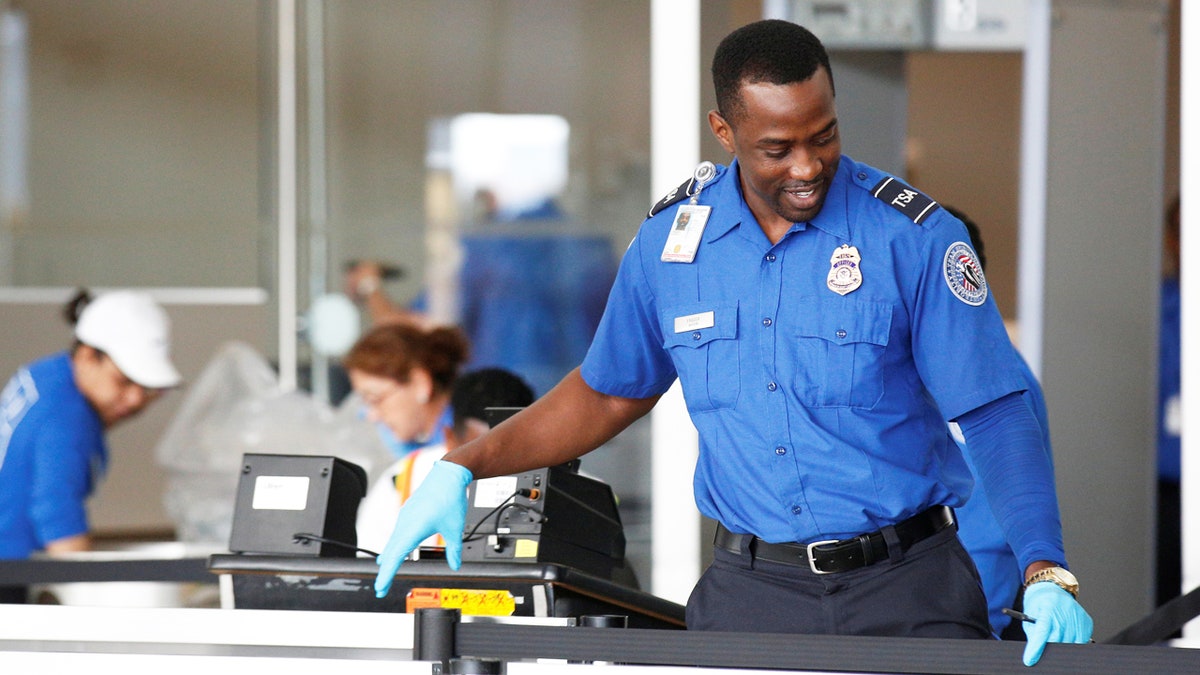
(130, 144)
(394, 69)
(498, 154)
(140, 145)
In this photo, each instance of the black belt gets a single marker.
(827, 557)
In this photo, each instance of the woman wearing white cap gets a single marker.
(54, 412)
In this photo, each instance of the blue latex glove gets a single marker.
(438, 506)
(1060, 618)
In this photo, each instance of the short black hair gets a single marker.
(73, 309)
(972, 231)
(772, 51)
(487, 388)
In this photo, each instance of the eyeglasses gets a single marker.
(375, 400)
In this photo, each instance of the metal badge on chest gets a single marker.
(845, 270)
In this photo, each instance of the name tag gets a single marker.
(691, 322)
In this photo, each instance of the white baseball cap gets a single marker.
(135, 333)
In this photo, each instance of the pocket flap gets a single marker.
(842, 321)
(696, 325)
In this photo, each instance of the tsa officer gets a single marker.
(826, 321)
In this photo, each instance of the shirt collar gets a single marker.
(726, 190)
(832, 219)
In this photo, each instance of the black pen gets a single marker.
(1022, 616)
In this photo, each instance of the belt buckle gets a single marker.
(812, 562)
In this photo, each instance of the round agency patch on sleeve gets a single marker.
(964, 274)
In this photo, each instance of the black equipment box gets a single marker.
(288, 504)
(548, 515)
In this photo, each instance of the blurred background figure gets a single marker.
(54, 413)
(1169, 576)
(363, 282)
(523, 276)
(529, 295)
(404, 374)
(980, 532)
(473, 393)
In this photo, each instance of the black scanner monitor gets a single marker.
(300, 505)
(547, 515)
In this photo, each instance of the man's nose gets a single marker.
(806, 166)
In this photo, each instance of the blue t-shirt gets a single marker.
(531, 299)
(981, 533)
(531, 292)
(1168, 384)
(821, 415)
(52, 455)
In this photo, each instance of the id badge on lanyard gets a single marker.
(684, 239)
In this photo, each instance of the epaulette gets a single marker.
(915, 206)
(705, 173)
(675, 196)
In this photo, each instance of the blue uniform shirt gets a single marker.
(821, 416)
(52, 454)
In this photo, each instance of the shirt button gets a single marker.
(771, 386)
(841, 334)
(862, 175)
(696, 335)
(767, 322)
(770, 257)
(781, 450)
(797, 510)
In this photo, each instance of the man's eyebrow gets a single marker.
(783, 141)
(828, 127)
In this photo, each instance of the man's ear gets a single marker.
(86, 356)
(721, 129)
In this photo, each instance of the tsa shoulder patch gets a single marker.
(964, 274)
(675, 196)
(915, 206)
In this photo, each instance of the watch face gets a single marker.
(1059, 576)
(1065, 576)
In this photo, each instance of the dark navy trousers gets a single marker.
(931, 590)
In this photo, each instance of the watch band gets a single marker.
(1057, 576)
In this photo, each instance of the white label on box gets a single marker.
(491, 492)
(281, 493)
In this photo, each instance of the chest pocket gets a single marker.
(706, 358)
(840, 346)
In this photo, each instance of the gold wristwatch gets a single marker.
(1058, 576)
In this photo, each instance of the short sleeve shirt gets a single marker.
(52, 455)
(821, 415)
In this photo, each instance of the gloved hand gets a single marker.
(438, 506)
(1060, 618)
